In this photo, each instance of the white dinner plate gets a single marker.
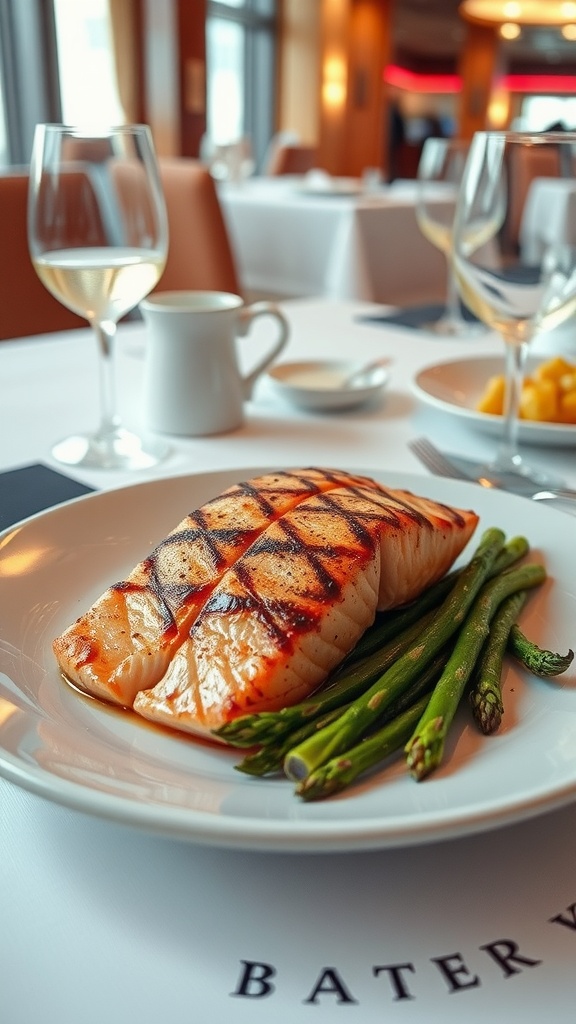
(455, 387)
(75, 751)
(317, 385)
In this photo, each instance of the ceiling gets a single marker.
(429, 34)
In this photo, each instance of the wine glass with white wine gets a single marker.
(439, 174)
(98, 239)
(515, 264)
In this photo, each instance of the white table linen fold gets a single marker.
(364, 246)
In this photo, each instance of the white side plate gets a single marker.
(455, 387)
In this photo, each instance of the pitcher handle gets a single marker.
(247, 315)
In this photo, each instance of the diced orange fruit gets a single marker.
(539, 400)
(567, 406)
(548, 395)
(492, 399)
(553, 369)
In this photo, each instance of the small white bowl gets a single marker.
(321, 385)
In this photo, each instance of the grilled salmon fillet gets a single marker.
(290, 608)
(124, 642)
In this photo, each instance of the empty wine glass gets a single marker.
(98, 239)
(439, 174)
(516, 265)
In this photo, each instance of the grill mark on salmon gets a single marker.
(284, 615)
(124, 642)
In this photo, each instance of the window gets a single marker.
(86, 63)
(540, 112)
(56, 63)
(240, 54)
(28, 75)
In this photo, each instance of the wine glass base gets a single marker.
(447, 327)
(118, 450)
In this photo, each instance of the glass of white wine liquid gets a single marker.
(439, 174)
(516, 265)
(98, 239)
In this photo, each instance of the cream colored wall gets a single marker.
(300, 69)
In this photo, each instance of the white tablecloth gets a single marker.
(100, 923)
(367, 246)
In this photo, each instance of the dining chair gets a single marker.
(200, 251)
(26, 306)
(291, 159)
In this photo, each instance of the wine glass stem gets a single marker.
(109, 418)
(515, 362)
(452, 296)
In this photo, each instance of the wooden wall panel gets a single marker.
(174, 73)
(479, 68)
(192, 72)
(355, 47)
(298, 81)
(370, 46)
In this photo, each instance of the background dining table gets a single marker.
(299, 235)
(103, 921)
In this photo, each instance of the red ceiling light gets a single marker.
(413, 81)
(540, 85)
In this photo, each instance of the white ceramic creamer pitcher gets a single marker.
(193, 383)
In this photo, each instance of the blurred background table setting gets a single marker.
(293, 238)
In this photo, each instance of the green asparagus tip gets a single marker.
(424, 751)
(487, 708)
(258, 729)
(258, 764)
(538, 660)
(325, 781)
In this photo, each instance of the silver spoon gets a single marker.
(361, 377)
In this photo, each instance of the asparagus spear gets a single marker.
(425, 749)
(367, 709)
(391, 623)
(271, 758)
(537, 660)
(339, 772)
(486, 693)
(268, 727)
(356, 673)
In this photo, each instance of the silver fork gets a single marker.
(441, 465)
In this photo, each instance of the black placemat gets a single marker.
(413, 316)
(30, 489)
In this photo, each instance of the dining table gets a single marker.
(311, 235)
(115, 904)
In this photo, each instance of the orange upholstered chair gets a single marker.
(292, 159)
(26, 307)
(200, 254)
